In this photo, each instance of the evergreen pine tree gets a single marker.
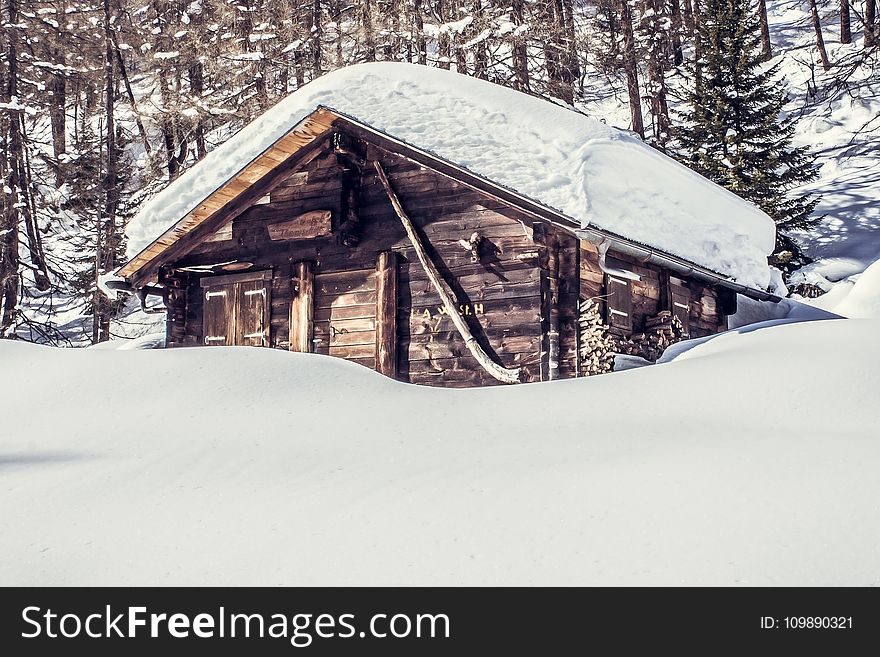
(733, 132)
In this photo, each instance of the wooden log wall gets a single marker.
(522, 285)
(649, 293)
(499, 296)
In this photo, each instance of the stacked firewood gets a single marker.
(661, 331)
(597, 345)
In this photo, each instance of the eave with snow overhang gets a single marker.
(293, 150)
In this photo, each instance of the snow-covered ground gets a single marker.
(748, 460)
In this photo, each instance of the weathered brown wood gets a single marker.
(305, 226)
(618, 303)
(549, 302)
(339, 313)
(356, 280)
(680, 304)
(505, 375)
(226, 279)
(302, 307)
(353, 352)
(349, 224)
(569, 288)
(493, 316)
(498, 297)
(346, 325)
(218, 319)
(208, 217)
(252, 300)
(346, 299)
(386, 314)
(342, 336)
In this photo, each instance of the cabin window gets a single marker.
(618, 303)
(679, 301)
(236, 309)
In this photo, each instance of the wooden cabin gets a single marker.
(342, 240)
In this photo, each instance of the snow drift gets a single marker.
(752, 461)
(593, 173)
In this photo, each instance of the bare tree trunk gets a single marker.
(520, 52)
(766, 52)
(28, 208)
(676, 29)
(120, 63)
(481, 58)
(845, 28)
(688, 16)
(196, 76)
(698, 68)
(58, 101)
(444, 46)
(555, 52)
(317, 32)
(870, 23)
(820, 41)
(9, 259)
(367, 24)
(419, 32)
(629, 64)
(106, 260)
(657, 79)
(574, 66)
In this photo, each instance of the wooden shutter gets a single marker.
(252, 313)
(618, 303)
(680, 302)
(217, 315)
(236, 309)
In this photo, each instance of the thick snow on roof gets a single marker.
(598, 175)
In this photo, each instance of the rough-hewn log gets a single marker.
(386, 314)
(549, 303)
(500, 373)
(301, 307)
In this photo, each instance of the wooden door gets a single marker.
(345, 315)
(236, 309)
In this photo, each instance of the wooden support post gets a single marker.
(301, 307)
(549, 303)
(443, 290)
(175, 304)
(553, 316)
(386, 314)
(351, 166)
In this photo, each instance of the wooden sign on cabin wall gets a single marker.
(302, 227)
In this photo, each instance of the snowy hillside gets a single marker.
(293, 469)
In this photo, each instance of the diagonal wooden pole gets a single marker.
(503, 374)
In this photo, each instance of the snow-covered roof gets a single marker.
(597, 175)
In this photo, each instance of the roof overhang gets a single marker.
(143, 266)
(310, 130)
